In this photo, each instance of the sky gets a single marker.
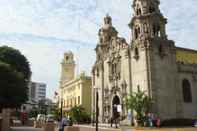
(44, 29)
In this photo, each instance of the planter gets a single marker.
(49, 126)
(0, 124)
(5, 124)
(38, 124)
(157, 129)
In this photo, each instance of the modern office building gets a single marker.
(37, 91)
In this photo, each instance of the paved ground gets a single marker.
(25, 129)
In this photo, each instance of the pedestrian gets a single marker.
(60, 124)
(111, 121)
(158, 122)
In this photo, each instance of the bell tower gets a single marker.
(153, 58)
(107, 32)
(68, 67)
(148, 21)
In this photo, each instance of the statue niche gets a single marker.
(115, 69)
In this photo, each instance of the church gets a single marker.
(150, 62)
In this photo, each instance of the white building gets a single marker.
(37, 91)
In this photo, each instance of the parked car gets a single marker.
(50, 118)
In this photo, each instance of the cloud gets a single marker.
(44, 29)
(45, 56)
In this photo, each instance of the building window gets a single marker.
(97, 72)
(138, 88)
(187, 95)
(136, 53)
(79, 100)
(151, 9)
(139, 12)
(137, 32)
(156, 30)
(93, 80)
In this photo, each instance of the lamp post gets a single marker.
(97, 111)
(61, 104)
(61, 110)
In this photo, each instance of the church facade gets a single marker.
(150, 62)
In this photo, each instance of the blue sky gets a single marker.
(44, 29)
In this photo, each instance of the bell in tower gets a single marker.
(107, 32)
(107, 20)
(148, 21)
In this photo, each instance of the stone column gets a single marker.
(6, 120)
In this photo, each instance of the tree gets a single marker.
(16, 60)
(79, 115)
(12, 89)
(14, 77)
(140, 103)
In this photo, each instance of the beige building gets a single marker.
(150, 62)
(74, 91)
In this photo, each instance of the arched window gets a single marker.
(139, 12)
(187, 95)
(160, 49)
(156, 30)
(137, 32)
(136, 52)
(151, 9)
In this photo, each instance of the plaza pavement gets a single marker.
(23, 128)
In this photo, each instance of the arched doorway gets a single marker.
(115, 103)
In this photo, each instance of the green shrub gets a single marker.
(79, 115)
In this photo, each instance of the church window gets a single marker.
(138, 88)
(151, 9)
(136, 53)
(97, 72)
(114, 68)
(160, 49)
(137, 32)
(156, 30)
(139, 12)
(78, 100)
(67, 58)
(187, 95)
(93, 81)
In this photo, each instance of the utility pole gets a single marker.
(97, 111)
(61, 104)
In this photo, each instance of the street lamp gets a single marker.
(97, 111)
(61, 104)
(61, 110)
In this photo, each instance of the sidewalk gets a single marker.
(100, 126)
